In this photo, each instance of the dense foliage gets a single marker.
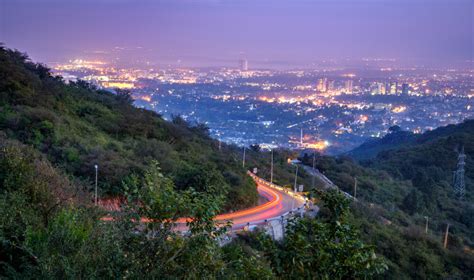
(77, 126)
(46, 233)
(325, 248)
(406, 181)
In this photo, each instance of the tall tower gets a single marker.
(458, 177)
(244, 64)
(348, 86)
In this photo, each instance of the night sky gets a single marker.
(219, 32)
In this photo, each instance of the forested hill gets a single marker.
(408, 180)
(425, 164)
(397, 138)
(77, 126)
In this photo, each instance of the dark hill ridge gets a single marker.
(373, 146)
(78, 126)
(426, 162)
(398, 139)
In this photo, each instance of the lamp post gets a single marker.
(355, 187)
(446, 234)
(312, 178)
(271, 170)
(96, 175)
(426, 225)
(296, 178)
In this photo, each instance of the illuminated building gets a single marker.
(348, 86)
(322, 84)
(393, 87)
(330, 86)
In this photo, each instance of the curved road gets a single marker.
(279, 203)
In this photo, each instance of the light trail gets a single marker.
(279, 203)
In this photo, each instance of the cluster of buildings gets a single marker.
(332, 110)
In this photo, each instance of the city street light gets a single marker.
(96, 174)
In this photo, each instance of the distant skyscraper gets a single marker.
(404, 89)
(244, 65)
(380, 88)
(387, 88)
(322, 84)
(393, 87)
(348, 86)
(331, 86)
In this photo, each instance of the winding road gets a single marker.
(279, 203)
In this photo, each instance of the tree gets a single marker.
(323, 249)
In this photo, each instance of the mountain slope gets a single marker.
(77, 126)
(404, 183)
(423, 165)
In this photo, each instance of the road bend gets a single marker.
(279, 202)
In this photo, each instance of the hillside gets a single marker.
(397, 138)
(410, 178)
(77, 126)
(414, 177)
(370, 148)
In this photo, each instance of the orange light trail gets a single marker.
(274, 201)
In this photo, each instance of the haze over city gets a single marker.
(271, 34)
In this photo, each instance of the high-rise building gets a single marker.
(331, 86)
(404, 89)
(380, 88)
(322, 84)
(348, 86)
(387, 88)
(244, 65)
(393, 87)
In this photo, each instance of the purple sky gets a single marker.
(219, 32)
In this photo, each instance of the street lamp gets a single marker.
(426, 225)
(271, 170)
(312, 178)
(296, 177)
(96, 174)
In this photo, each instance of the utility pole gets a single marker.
(220, 145)
(314, 172)
(243, 159)
(294, 187)
(271, 170)
(446, 236)
(355, 187)
(296, 177)
(96, 176)
(426, 225)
